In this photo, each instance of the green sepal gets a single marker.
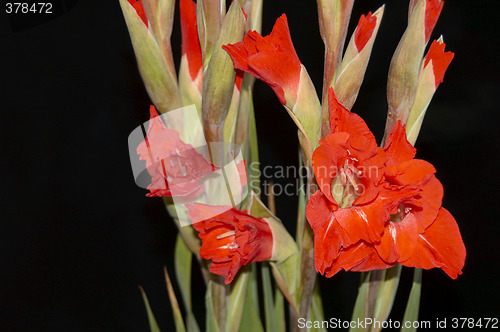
(218, 79)
(210, 15)
(283, 244)
(306, 113)
(351, 71)
(160, 14)
(405, 68)
(188, 233)
(160, 83)
(287, 279)
(189, 90)
(333, 17)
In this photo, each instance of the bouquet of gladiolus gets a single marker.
(363, 207)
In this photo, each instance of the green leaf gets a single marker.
(360, 309)
(178, 320)
(211, 323)
(387, 293)
(279, 310)
(237, 297)
(251, 318)
(317, 308)
(412, 307)
(182, 260)
(153, 325)
(376, 295)
(268, 298)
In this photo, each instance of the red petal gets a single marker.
(397, 147)
(440, 60)
(358, 257)
(410, 171)
(190, 42)
(399, 240)
(341, 120)
(364, 31)
(325, 160)
(440, 246)
(432, 11)
(137, 4)
(363, 222)
(271, 59)
(372, 170)
(329, 237)
(430, 199)
(238, 81)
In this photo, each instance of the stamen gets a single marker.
(352, 180)
(227, 234)
(233, 245)
(343, 177)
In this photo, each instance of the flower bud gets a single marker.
(191, 67)
(153, 59)
(353, 67)
(431, 75)
(218, 82)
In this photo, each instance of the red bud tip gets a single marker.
(364, 30)
(440, 60)
(137, 4)
(190, 42)
(432, 11)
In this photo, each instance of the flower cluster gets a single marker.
(396, 218)
(376, 206)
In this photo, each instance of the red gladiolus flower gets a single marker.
(348, 166)
(177, 169)
(137, 4)
(271, 59)
(190, 43)
(364, 30)
(413, 195)
(230, 239)
(440, 60)
(397, 219)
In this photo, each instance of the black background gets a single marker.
(78, 236)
